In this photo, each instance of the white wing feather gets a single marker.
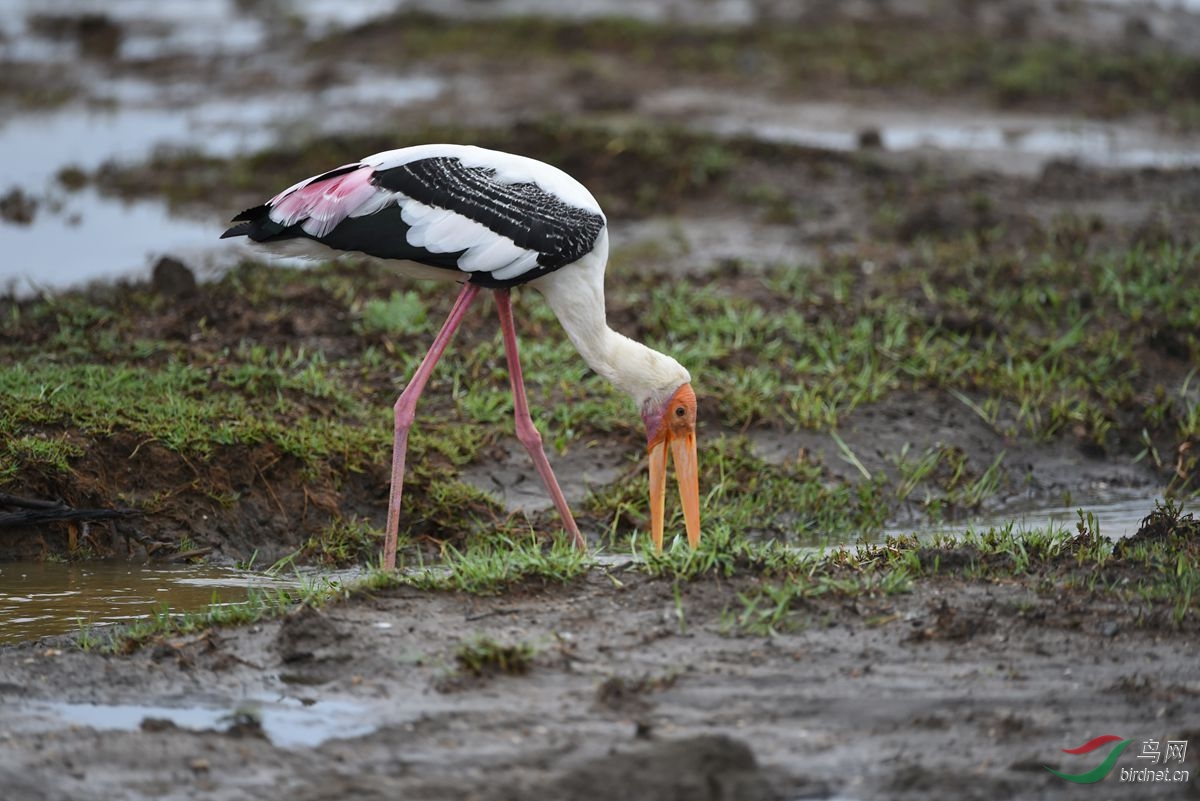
(444, 231)
(527, 261)
(449, 231)
(497, 254)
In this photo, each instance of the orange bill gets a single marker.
(658, 491)
(673, 428)
(687, 473)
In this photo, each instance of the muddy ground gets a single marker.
(639, 687)
(955, 690)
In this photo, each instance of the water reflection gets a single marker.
(81, 236)
(1021, 146)
(288, 722)
(1115, 519)
(43, 598)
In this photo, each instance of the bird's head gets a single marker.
(672, 423)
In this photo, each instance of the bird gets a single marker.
(491, 220)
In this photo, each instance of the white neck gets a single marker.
(576, 294)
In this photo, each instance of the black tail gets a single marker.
(241, 229)
(254, 223)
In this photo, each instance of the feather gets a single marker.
(503, 219)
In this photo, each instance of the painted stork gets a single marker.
(491, 220)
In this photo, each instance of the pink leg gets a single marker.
(526, 432)
(406, 411)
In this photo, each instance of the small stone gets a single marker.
(173, 279)
(17, 207)
(157, 724)
(870, 139)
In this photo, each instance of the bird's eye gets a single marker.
(679, 411)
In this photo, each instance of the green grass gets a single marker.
(190, 408)
(484, 656)
(500, 563)
(637, 172)
(743, 497)
(260, 605)
(775, 607)
(1059, 351)
(1157, 570)
(88, 639)
(1156, 575)
(39, 450)
(344, 541)
(399, 314)
(725, 555)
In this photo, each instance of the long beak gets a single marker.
(658, 490)
(687, 473)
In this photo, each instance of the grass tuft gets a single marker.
(498, 565)
(484, 656)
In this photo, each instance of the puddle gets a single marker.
(148, 28)
(83, 236)
(1006, 142)
(152, 28)
(1183, 5)
(38, 599)
(1117, 519)
(287, 722)
(94, 238)
(38, 145)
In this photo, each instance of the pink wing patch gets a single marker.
(321, 205)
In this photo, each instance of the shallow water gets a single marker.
(43, 598)
(287, 722)
(152, 28)
(1116, 519)
(1014, 143)
(76, 237)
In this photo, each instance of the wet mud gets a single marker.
(959, 689)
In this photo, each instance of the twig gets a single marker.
(185, 555)
(38, 512)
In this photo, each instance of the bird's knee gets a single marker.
(405, 415)
(528, 436)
